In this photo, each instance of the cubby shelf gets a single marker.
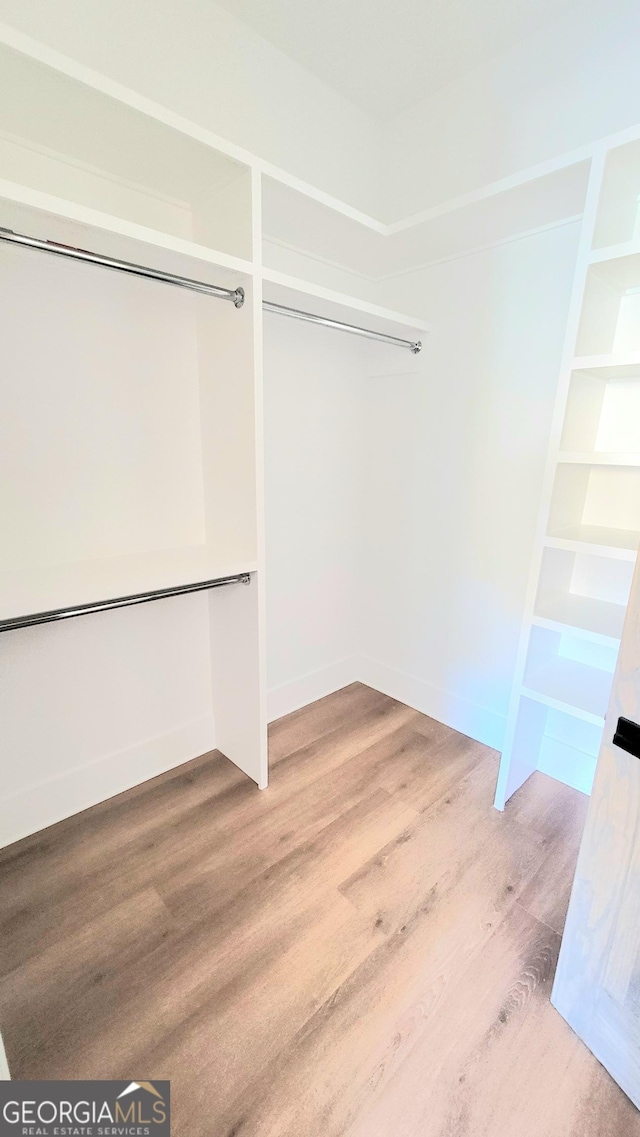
(613, 366)
(574, 688)
(597, 620)
(598, 458)
(614, 252)
(596, 539)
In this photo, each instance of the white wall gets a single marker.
(314, 396)
(92, 706)
(570, 84)
(200, 61)
(455, 464)
(401, 511)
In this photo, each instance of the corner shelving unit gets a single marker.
(589, 529)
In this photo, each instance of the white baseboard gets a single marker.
(37, 807)
(453, 710)
(567, 764)
(291, 696)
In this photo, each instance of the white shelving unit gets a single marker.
(132, 440)
(172, 491)
(589, 529)
(129, 424)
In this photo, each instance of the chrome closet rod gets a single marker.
(235, 295)
(119, 602)
(280, 309)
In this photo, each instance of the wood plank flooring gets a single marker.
(365, 949)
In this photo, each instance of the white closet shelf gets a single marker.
(598, 540)
(296, 293)
(40, 215)
(48, 587)
(299, 223)
(626, 366)
(597, 620)
(575, 688)
(614, 252)
(598, 458)
(620, 265)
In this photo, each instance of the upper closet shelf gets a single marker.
(291, 292)
(597, 620)
(69, 150)
(306, 237)
(598, 458)
(44, 211)
(55, 586)
(46, 219)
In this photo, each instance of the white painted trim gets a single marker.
(447, 707)
(91, 78)
(41, 805)
(322, 293)
(315, 685)
(451, 709)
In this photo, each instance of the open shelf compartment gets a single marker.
(584, 594)
(156, 424)
(610, 321)
(557, 744)
(62, 139)
(618, 220)
(569, 673)
(598, 506)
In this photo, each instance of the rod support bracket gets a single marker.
(239, 298)
(416, 347)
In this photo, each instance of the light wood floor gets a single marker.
(366, 948)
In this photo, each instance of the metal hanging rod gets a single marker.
(119, 602)
(235, 295)
(280, 309)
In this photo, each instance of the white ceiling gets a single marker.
(385, 55)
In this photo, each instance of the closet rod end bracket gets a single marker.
(416, 347)
(238, 297)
